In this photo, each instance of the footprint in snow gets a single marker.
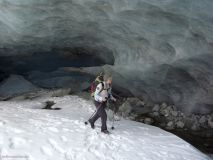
(65, 120)
(18, 131)
(2, 123)
(16, 142)
(55, 146)
(46, 150)
(66, 130)
(58, 123)
(53, 129)
(64, 139)
(72, 154)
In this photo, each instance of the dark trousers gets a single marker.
(100, 112)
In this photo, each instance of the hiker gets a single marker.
(102, 94)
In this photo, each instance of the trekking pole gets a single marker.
(113, 121)
(86, 122)
(113, 118)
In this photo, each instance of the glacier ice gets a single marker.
(163, 48)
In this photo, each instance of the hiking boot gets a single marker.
(92, 125)
(105, 132)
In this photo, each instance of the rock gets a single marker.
(195, 127)
(179, 114)
(148, 120)
(170, 125)
(134, 100)
(170, 118)
(164, 112)
(156, 108)
(137, 106)
(141, 120)
(61, 92)
(142, 110)
(169, 108)
(182, 114)
(49, 104)
(132, 116)
(125, 109)
(197, 117)
(210, 122)
(180, 124)
(188, 122)
(163, 105)
(140, 103)
(202, 120)
(163, 124)
(174, 113)
(174, 108)
(155, 114)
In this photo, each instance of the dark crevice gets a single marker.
(55, 59)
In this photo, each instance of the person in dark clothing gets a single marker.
(102, 93)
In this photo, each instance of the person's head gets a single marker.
(108, 79)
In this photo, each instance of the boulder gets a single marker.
(125, 109)
(195, 127)
(163, 124)
(164, 112)
(180, 124)
(132, 116)
(170, 125)
(169, 108)
(156, 108)
(61, 92)
(163, 105)
(137, 106)
(174, 113)
(155, 114)
(148, 120)
(202, 120)
(174, 108)
(140, 103)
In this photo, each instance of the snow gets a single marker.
(15, 85)
(28, 132)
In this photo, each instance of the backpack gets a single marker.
(95, 83)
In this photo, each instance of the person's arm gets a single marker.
(110, 95)
(97, 93)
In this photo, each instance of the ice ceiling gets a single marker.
(163, 49)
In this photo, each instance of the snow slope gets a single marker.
(27, 131)
(16, 85)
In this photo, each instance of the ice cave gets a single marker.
(158, 51)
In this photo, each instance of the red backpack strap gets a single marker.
(92, 88)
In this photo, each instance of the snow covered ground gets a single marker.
(27, 132)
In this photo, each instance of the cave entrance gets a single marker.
(55, 59)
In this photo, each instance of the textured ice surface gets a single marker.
(171, 39)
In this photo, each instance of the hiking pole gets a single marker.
(113, 119)
(86, 122)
